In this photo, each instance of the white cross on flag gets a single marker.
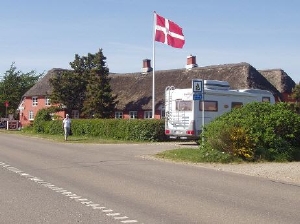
(168, 32)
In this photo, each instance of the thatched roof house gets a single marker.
(281, 81)
(42, 87)
(134, 90)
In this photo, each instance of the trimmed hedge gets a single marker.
(120, 129)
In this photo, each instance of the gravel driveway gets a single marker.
(281, 172)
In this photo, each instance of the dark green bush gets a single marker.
(257, 131)
(41, 116)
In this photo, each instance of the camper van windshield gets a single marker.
(184, 105)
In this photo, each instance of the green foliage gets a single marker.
(119, 129)
(41, 117)
(99, 101)
(13, 86)
(68, 90)
(296, 97)
(86, 88)
(296, 93)
(257, 131)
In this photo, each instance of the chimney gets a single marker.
(191, 62)
(146, 66)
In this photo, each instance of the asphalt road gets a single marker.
(42, 181)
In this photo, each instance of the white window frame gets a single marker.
(47, 101)
(147, 114)
(119, 114)
(31, 115)
(133, 114)
(75, 114)
(34, 101)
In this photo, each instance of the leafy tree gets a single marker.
(296, 92)
(85, 88)
(68, 90)
(99, 101)
(296, 97)
(13, 86)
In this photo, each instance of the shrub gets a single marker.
(41, 116)
(257, 131)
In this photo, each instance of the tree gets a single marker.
(296, 96)
(68, 90)
(13, 86)
(99, 100)
(296, 93)
(85, 88)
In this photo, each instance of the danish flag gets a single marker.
(168, 32)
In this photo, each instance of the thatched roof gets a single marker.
(279, 79)
(42, 87)
(134, 90)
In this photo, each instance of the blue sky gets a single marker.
(40, 35)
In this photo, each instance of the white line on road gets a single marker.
(129, 221)
(84, 201)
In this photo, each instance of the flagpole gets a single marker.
(153, 71)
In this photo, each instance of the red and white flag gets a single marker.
(168, 32)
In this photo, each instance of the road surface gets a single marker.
(43, 181)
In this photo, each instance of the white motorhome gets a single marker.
(184, 116)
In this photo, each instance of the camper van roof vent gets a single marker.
(216, 84)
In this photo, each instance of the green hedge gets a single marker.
(120, 129)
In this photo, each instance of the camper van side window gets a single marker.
(209, 105)
(266, 99)
(183, 105)
(236, 105)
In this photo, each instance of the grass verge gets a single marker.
(197, 155)
(71, 139)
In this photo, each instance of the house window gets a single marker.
(34, 101)
(75, 114)
(31, 115)
(147, 114)
(132, 114)
(209, 105)
(118, 114)
(47, 101)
